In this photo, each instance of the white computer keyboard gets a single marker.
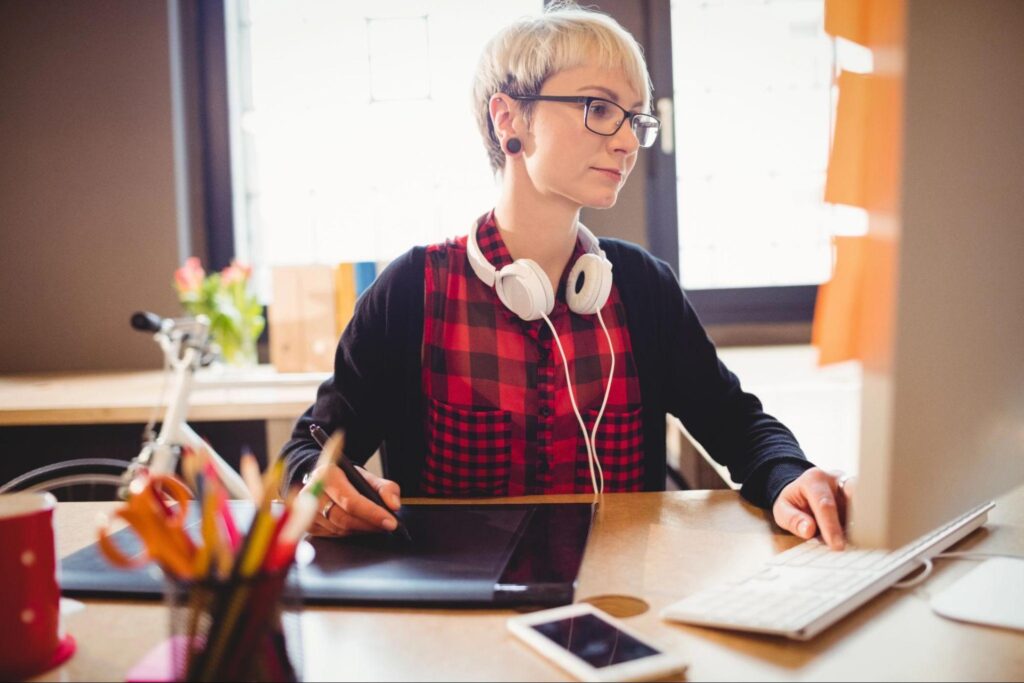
(806, 589)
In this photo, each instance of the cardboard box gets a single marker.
(303, 319)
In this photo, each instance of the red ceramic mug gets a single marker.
(30, 631)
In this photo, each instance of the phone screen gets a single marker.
(594, 640)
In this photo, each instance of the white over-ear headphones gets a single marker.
(524, 288)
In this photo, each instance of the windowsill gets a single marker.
(820, 404)
(760, 334)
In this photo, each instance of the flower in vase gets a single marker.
(236, 316)
(189, 278)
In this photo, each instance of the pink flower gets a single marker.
(236, 272)
(189, 278)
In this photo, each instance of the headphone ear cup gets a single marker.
(589, 284)
(524, 288)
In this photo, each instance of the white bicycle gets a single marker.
(186, 345)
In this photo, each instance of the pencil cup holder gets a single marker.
(236, 630)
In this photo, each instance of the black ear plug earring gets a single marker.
(513, 145)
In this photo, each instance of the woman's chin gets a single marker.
(603, 201)
(593, 198)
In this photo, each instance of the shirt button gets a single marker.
(545, 411)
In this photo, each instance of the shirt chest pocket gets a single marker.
(468, 451)
(620, 449)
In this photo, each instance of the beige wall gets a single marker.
(87, 194)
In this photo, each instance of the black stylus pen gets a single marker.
(357, 480)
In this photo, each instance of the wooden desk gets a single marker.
(128, 397)
(657, 546)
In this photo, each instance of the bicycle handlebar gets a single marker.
(144, 321)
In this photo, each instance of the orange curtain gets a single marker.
(853, 315)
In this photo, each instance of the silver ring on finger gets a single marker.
(326, 511)
(842, 482)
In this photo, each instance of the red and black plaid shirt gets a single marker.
(499, 420)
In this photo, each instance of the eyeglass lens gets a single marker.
(646, 130)
(605, 118)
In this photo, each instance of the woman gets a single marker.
(481, 366)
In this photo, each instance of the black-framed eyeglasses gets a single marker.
(604, 117)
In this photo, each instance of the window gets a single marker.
(753, 103)
(353, 133)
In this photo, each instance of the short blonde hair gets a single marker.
(524, 54)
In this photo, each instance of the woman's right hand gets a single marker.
(349, 512)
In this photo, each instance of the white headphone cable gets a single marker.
(591, 456)
(604, 403)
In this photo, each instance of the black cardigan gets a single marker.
(376, 391)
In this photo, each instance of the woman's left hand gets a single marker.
(816, 500)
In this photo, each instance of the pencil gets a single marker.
(249, 560)
(251, 475)
(303, 510)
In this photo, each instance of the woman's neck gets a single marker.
(539, 228)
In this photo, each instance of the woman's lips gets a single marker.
(614, 175)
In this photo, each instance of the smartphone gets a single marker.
(592, 645)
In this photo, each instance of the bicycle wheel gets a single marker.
(87, 479)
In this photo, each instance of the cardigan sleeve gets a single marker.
(759, 451)
(366, 373)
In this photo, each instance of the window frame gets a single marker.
(214, 132)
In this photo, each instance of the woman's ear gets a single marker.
(503, 112)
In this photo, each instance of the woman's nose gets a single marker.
(625, 139)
